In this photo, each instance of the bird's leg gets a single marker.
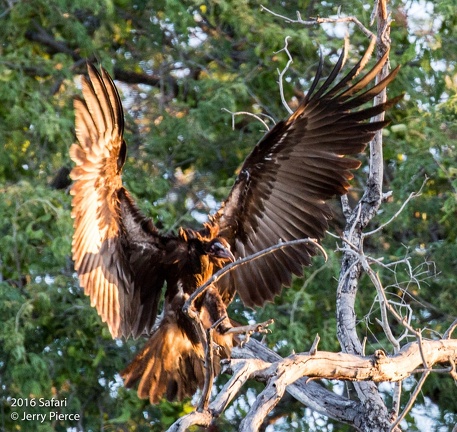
(217, 311)
(217, 348)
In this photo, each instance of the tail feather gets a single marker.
(170, 365)
(163, 365)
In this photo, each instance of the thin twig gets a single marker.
(318, 21)
(411, 196)
(448, 332)
(411, 401)
(383, 302)
(247, 113)
(421, 349)
(385, 305)
(383, 299)
(396, 399)
(281, 74)
(313, 348)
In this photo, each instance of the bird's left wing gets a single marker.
(281, 191)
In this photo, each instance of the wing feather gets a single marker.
(109, 259)
(283, 185)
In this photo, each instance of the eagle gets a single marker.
(130, 268)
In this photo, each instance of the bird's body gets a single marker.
(124, 262)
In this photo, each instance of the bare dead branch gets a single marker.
(349, 367)
(352, 269)
(448, 332)
(247, 113)
(411, 400)
(384, 304)
(313, 348)
(284, 372)
(203, 418)
(247, 330)
(318, 21)
(307, 392)
(411, 196)
(209, 372)
(347, 211)
(396, 399)
(282, 73)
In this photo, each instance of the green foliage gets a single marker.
(208, 56)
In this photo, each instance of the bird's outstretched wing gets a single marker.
(117, 251)
(281, 191)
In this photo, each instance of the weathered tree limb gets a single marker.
(309, 393)
(378, 367)
(201, 418)
(293, 374)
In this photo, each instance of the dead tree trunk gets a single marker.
(377, 415)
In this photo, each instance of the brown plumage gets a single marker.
(124, 261)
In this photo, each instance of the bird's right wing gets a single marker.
(116, 250)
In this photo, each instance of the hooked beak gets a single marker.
(227, 255)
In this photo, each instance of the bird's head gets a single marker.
(218, 249)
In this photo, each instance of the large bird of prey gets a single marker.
(124, 262)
